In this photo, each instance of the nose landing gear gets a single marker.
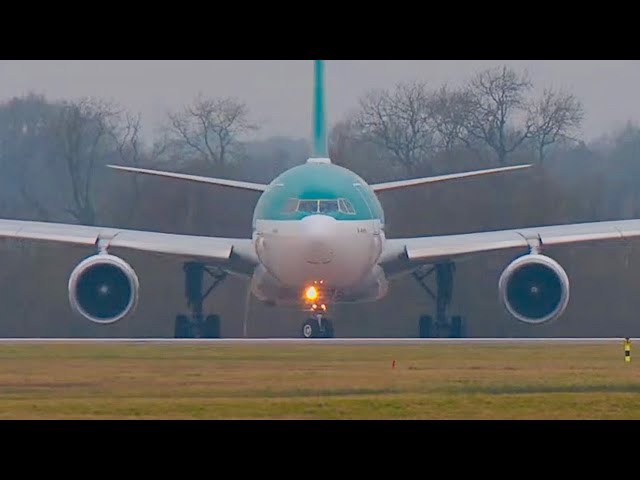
(318, 326)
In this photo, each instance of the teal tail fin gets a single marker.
(320, 144)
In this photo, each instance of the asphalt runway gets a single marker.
(318, 341)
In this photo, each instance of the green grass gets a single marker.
(523, 381)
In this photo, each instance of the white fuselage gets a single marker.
(339, 253)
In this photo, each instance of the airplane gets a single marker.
(318, 239)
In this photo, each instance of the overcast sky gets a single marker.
(278, 92)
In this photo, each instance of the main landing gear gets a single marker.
(196, 324)
(444, 326)
(317, 326)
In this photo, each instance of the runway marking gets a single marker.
(318, 341)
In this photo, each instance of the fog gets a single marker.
(278, 92)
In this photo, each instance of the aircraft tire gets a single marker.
(310, 328)
(328, 328)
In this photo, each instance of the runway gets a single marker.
(310, 342)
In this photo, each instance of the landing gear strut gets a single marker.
(195, 324)
(317, 326)
(444, 326)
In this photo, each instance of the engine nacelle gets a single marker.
(534, 289)
(103, 288)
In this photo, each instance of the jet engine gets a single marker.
(534, 289)
(103, 288)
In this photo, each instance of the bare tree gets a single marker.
(349, 149)
(24, 149)
(399, 121)
(497, 97)
(83, 132)
(449, 111)
(28, 195)
(341, 139)
(211, 129)
(555, 117)
(126, 137)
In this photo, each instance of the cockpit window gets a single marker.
(328, 206)
(345, 206)
(341, 205)
(291, 205)
(308, 206)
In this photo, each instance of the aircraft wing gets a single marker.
(402, 255)
(381, 187)
(236, 254)
(258, 187)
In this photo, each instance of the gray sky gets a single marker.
(278, 92)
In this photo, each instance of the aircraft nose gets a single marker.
(319, 231)
(319, 225)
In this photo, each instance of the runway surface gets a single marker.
(301, 341)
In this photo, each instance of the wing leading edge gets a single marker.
(236, 254)
(259, 187)
(402, 255)
(380, 187)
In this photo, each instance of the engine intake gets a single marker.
(534, 289)
(103, 289)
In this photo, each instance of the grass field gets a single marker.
(520, 381)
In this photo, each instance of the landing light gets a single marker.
(311, 293)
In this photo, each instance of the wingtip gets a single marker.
(121, 167)
(520, 167)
